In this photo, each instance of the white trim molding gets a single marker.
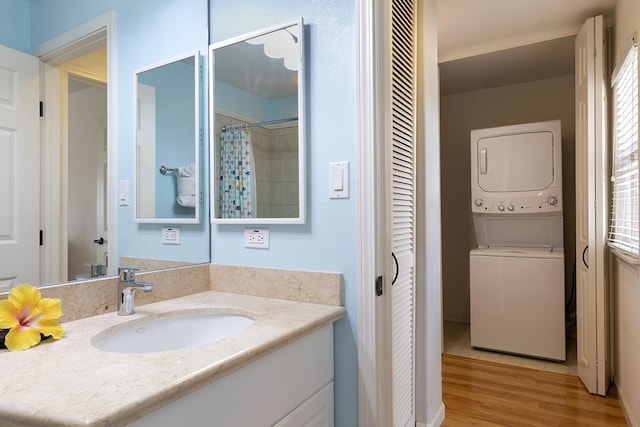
(370, 385)
(97, 33)
(373, 391)
(510, 43)
(76, 42)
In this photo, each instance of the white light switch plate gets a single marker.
(123, 192)
(339, 180)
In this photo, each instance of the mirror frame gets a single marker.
(197, 138)
(302, 141)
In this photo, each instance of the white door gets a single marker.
(102, 192)
(146, 151)
(401, 208)
(591, 204)
(86, 176)
(19, 168)
(387, 209)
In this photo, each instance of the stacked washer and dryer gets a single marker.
(517, 270)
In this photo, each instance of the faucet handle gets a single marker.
(127, 274)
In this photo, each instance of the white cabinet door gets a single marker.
(292, 381)
(317, 411)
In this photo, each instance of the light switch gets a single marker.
(123, 193)
(339, 180)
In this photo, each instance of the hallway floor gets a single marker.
(487, 394)
(457, 341)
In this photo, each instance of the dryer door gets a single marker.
(516, 162)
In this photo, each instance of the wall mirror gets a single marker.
(76, 195)
(167, 135)
(257, 127)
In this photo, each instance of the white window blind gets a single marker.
(624, 227)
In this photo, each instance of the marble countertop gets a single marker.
(69, 382)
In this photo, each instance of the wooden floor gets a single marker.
(480, 393)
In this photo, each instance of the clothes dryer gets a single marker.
(517, 271)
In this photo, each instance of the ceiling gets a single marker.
(490, 43)
(246, 66)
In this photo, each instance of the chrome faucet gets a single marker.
(127, 285)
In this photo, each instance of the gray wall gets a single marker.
(459, 114)
(626, 277)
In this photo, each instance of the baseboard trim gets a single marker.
(628, 415)
(458, 320)
(438, 419)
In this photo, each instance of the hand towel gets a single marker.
(185, 176)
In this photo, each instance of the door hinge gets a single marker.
(379, 286)
(41, 237)
(41, 109)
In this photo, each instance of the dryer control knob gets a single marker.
(511, 208)
(501, 208)
(477, 202)
(552, 200)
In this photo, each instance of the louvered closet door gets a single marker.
(402, 156)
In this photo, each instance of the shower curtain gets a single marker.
(237, 175)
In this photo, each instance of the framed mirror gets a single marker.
(257, 127)
(167, 136)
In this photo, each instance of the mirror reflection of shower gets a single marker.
(258, 146)
(274, 147)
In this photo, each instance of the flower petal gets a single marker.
(8, 317)
(50, 327)
(20, 338)
(24, 296)
(51, 308)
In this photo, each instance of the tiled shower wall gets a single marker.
(276, 156)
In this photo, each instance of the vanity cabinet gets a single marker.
(292, 386)
(317, 411)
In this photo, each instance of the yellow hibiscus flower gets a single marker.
(28, 315)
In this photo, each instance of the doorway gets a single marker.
(87, 165)
(76, 65)
(466, 104)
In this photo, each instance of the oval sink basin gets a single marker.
(171, 332)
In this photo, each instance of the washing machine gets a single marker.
(518, 301)
(517, 270)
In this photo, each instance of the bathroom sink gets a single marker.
(171, 332)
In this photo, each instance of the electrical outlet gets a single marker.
(256, 238)
(171, 235)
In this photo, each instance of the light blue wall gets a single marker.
(285, 107)
(147, 32)
(175, 133)
(232, 99)
(327, 242)
(14, 24)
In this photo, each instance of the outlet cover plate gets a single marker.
(170, 235)
(256, 238)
